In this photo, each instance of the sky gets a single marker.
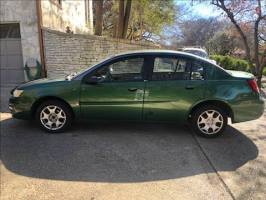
(203, 8)
(198, 9)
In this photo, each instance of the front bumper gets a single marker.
(19, 108)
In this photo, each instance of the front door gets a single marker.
(114, 91)
(175, 84)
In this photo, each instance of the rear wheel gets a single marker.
(209, 121)
(54, 116)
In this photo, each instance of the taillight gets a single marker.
(253, 85)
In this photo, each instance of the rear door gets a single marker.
(174, 85)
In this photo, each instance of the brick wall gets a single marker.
(66, 53)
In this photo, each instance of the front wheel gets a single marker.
(54, 116)
(209, 121)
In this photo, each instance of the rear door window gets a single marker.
(170, 68)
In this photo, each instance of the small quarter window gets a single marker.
(197, 71)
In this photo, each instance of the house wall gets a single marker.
(70, 13)
(66, 53)
(24, 13)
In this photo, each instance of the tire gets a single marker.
(54, 116)
(209, 121)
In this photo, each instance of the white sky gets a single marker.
(199, 9)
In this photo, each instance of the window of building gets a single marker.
(9, 30)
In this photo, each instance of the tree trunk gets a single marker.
(120, 26)
(115, 27)
(262, 65)
(141, 22)
(126, 18)
(99, 17)
(89, 15)
(245, 42)
(256, 52)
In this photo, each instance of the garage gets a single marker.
(11, 62)
(11, 55)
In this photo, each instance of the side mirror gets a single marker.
(94, 80)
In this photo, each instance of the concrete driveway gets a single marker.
(132, 161)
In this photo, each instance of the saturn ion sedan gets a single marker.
(151, 85)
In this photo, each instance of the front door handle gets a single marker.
(132, 89)
(189, 87)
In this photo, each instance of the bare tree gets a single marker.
(231, 13)
(198, 31)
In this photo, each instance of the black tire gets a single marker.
(66, 114)
(201, 127)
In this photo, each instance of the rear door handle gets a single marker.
(189, 87)
(132, 89)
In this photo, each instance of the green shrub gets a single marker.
(231, 63)
(264, 71)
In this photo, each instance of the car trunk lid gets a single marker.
(240, 74)
(251, 81)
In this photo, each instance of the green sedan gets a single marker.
(151, 85)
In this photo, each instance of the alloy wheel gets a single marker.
(52, 117)
(210, 122)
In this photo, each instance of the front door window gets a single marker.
(127, 70)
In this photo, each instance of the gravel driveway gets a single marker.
(132, 161)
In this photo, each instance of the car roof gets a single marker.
(194, 49)
(151, 51)
(159, 51)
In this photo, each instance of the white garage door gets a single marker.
(11, 62)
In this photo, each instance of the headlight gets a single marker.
(17, 93)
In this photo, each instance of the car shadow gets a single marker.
(119, 152)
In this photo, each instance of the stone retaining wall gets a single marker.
(66, 53)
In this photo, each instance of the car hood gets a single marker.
(240, 74)
(40, 81)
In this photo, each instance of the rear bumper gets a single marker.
(248, 110)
